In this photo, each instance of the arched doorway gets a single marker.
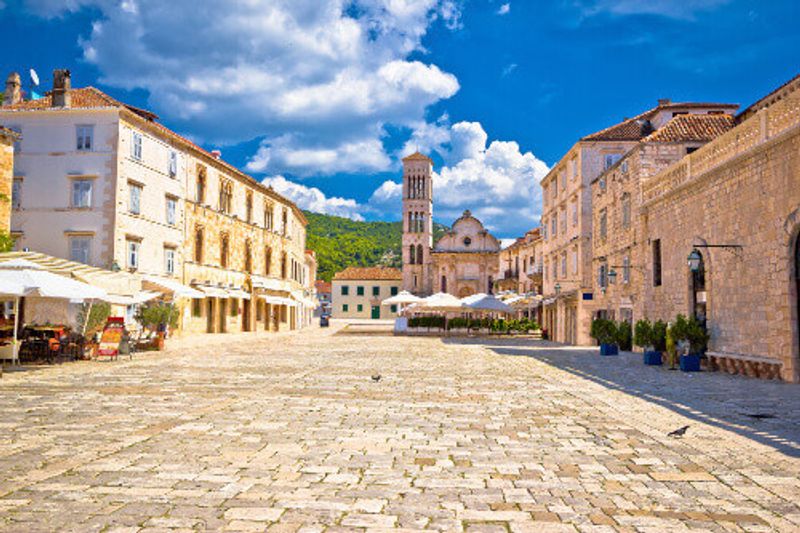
(444, 283)
(698, 287)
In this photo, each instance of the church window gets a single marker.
(420, 257)
(412, 255)
(467, 241)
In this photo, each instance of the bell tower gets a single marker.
(417, 223)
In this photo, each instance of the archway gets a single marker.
(698, 291)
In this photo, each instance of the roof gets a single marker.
(780, 92)
(368, 273)
(416, 156)
(322, 286)
(638, 127)
(687, 128)
(94, 98)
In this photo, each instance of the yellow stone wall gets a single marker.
(6, 181)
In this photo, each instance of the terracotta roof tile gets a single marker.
(687, 128)
(322, 286)
(369, 273)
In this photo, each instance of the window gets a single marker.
(564, 265)
(136, 145)
(376, 291)
(393, 291)
(172, 204)
(248, 256)
(345, 290)
(563, 176)
(575, 213)
(225, 196)
(563, 215)
(283, 265)
(575, 261)
(234, 305)
(345, 308)
(611, 159)
(626, 210)
(84, 138)
(602, 184)
(657, 263)
(554, 227)
(80, 249)
(197, 307)
(134, 198)
(16, 194)
(393, 308)
(169, 260)
(412, 255)
(133, 254)
(268, 210)
(267, 261)
(249, 208)
(359, 291)
(200, 192)
(81, 193)
(626, 269)
(198, 245)
(602, 278)
(173, 164)
(573, 168)
(359, 308)
(555, 268)
(603, 223)
(285, 220)
(224, 249)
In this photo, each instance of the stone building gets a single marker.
(617, 257)
(567, 216)
(520, 265)
(8, 139)
(103, 183)
(462, 262)
(734, 206)
(357, 292)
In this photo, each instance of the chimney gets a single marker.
(216, 153)
(62, 87)
(13, 93)
(664, 101)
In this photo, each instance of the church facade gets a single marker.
(462, 262)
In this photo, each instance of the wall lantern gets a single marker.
(694, 260)
(557, 288)
(612, 276)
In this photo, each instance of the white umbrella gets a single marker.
(40, 282)
(486, 302)
(12, 288)
(441, 302)
(404, 297)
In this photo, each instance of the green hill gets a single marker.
(340, 242)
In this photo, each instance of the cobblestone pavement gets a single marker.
(290, 433)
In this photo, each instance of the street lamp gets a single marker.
(557, 288)
(612, 276)
(694, 260)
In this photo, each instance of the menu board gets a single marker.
(112, 335)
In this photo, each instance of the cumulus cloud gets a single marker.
(495, 180)
(313, 199)
(504, 9)
(325, 75)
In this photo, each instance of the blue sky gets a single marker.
(321, 100)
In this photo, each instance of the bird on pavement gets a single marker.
(680, 432)
(376, 377)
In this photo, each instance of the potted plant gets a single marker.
(604, 331)
(624, 336)
(157, 317)
(644, 336)
(697, 340)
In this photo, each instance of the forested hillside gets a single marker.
(340, 242)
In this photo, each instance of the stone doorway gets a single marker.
(698, 287)
(209, 315)
(223, 314)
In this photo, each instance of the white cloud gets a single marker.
(684, 9)
(504, 9)
(511, 67)
(496, 181)
(315, 200)
(327, 75)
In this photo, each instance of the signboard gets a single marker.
(112, 335)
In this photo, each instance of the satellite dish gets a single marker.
(34, 77)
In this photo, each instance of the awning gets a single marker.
(238, 293)
(178, 290)
(144, 296)
(271, 284)
(213, 292)
(278, 300)
(44, 284)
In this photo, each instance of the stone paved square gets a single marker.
(289, 432)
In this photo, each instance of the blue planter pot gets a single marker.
(690, 363)
(609, 349)
(652, 358)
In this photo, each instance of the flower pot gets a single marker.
(652, 358)
(690, 363)
(609, 349)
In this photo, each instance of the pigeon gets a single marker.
(376, 377)
(680, 432)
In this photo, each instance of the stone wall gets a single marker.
(742, 189)
(6, 181)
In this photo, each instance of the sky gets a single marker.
(321, 99)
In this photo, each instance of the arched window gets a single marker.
(420, 256)
(412, 255)
(249, 207)
(248, 259)
(283, 265)
(267, 261)
(444, 283)
(198, 245)
(225, 196)
(200, 193)
(224, 248)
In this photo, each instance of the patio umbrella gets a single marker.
(44, 284)
(441, 302)
(12, 288)
(404, 297)
(486, 302)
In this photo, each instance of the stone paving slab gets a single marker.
(289, 433)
